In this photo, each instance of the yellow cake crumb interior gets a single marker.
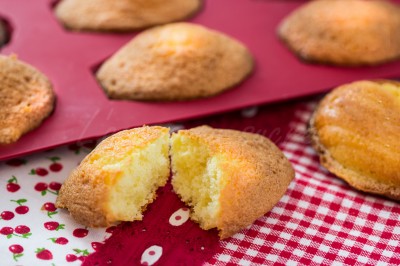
(141, 173)
(197, 179)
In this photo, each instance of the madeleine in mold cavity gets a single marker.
(178, 61)
(344, 32)
(4, 34)
(122, 15)
(26, 98)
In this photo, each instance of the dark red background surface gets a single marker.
(83, 111)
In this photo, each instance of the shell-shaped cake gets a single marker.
(119, 178)
(26, 98)
(229, 178)
(122, 15)
(177, 61)
(356, 130)
(346, 33)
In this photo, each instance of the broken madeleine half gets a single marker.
(356, 130)
(119, 178)
(178, 61)
(229, 178)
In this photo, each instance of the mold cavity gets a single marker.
(54, 3)
(5, 32)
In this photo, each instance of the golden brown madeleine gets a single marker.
(26, 98)
(117, 180)
(229, 178)
(122, 15)
(178, 61)
(356, 131)
(344, 32)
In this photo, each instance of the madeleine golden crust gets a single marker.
(178, 61)
(355, 130)
(343, 32)
(257, 172)
(86, 191)
(26, 98)
(122, 15)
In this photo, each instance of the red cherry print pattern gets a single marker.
(51, 226)
(16, 250)
(7, 215)
(16, 162)
(50, 208)
(39, 171)
(71, 258)
(43, 188)
(22, 229)
(43, 254)
(6, 231)
(96, 245)
(82, 252)
(55, 166)
(12, 185)
(80, 232)
(59, 240)
(55, 186)
(21, 209)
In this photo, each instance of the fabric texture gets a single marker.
(319, 221)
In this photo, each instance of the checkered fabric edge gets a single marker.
(319, 221)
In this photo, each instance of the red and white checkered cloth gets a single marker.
(320, 221)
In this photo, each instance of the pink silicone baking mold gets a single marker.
(83, 111)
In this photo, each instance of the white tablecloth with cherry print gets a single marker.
(32, 230)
